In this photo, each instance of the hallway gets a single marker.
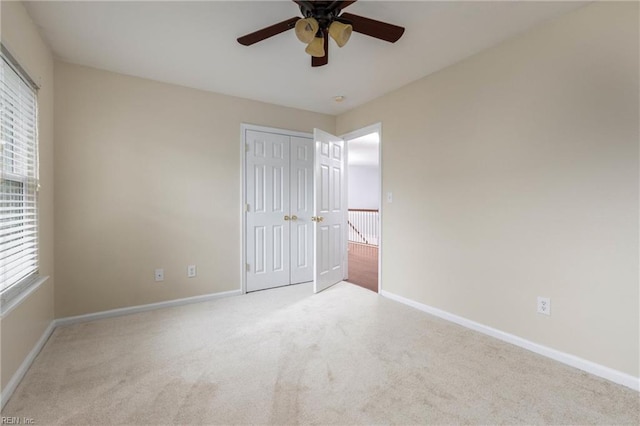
(363, 265)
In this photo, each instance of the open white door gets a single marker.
(330, 209)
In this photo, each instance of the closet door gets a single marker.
(267, 217)
(301, 210)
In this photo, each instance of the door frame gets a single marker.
(372, 128)
(243, 188)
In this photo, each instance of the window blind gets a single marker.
(19, 178)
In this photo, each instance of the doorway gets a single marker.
(364, 205)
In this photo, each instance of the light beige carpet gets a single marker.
(285, 356)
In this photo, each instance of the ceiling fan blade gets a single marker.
(267, 32)
(373, 28)
(318, 62)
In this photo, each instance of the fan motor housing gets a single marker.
(325, 12)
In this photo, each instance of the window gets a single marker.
(18, 179)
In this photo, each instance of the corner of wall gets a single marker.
(23, 328)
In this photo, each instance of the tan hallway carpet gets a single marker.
(284, 356)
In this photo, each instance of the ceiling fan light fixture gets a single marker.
(340, 32)
(316, 47)
(319, 20)
(306, 29)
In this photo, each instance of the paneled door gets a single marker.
(279, 196)
(301, 210)
(330, 207)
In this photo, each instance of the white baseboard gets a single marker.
(565, 358)
(24, 367)
(142, 308)
(22, 370)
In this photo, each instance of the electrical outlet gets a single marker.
(191, 271)
(389, 197)
(544, 305)
(159, 274)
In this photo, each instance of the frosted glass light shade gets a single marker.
(340, 32)
(316, 47)
(306, 29)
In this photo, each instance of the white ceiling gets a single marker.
(194, 44)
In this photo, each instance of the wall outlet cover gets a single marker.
(544, 305)
(191, 271)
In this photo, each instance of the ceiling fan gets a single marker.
(321, 20)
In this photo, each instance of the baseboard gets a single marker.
(24, 367)
(565, 358)
(142, 308)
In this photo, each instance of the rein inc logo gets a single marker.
(5, 420)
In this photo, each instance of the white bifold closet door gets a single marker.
(279, 194)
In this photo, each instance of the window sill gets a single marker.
(17, 299)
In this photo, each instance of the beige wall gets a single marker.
(23, 326)
(515, 175)
(148, 176)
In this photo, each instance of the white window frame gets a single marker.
(13, 295)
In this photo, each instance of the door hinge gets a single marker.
(246, 207)
(246, 147)
(247, 267)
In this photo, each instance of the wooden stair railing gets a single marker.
(357, 232)
(363, 225)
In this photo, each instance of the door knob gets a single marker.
(287, 218)
(294, 217)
